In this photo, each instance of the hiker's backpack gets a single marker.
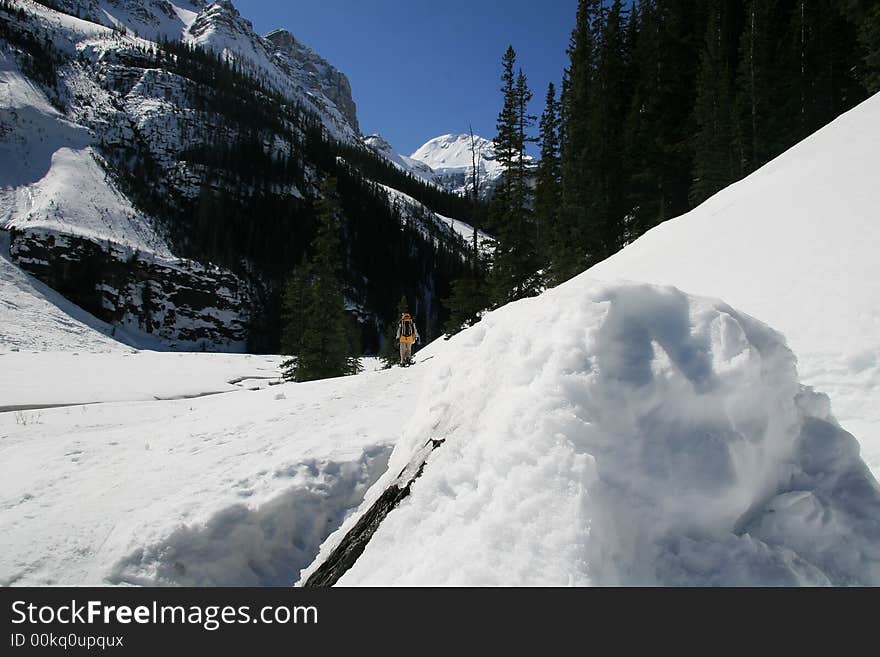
(406, 327)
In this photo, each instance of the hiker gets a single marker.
(407, 333)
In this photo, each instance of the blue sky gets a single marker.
(420, 69)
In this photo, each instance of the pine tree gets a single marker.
(548, 185)
(608, 199)
(760, 85)
(514, 274)
(714, 156)
(869, 39)
(577, 239)
(318, 330)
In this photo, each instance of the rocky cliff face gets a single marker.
(321, 76)
(183, 303)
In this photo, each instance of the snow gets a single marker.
(449, 156)
(416, 168)
(795, 244)
(604, 433)
(485, 242)
(129, 375)
(33, 317)
(614, 434)
(235, 489)
(49, 178)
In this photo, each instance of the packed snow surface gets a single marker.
(795, 244)
(623, 435)
(225, 489)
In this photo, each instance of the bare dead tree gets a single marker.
(476, 161)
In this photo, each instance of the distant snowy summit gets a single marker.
(451, 158)
(448, 161)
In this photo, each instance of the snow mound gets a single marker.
(266, 546)
(795, 244)
(623, 435)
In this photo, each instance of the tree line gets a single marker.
(663, 103)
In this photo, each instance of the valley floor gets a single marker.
(183, 468)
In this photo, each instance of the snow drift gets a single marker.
(623, 435)
(795, 244)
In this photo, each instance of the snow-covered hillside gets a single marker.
(33, 317)
(151, 19)
(291, 67)
(50, 180)
(383, 148)
(622, 435)
(62, 207)
(795, 244)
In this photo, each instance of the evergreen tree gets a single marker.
(869, 39)
(760, 85)
(514, 273)
(577, 237)
(714, 155)
(548, 184)
(466, 303)
(318, 329)
(606, 185)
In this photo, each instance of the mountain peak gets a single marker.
(321, 76)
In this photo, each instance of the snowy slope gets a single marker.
(795, 244)
(151, 19)
(231, 489)
(383, 148)
(49, 179)
(622, 435)
(430, 223)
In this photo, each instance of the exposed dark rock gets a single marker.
(355, 541)
(179, 301)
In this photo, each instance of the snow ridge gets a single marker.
(623, 435)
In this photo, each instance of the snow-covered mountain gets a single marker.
(117, 162)
(603, 433)
(450, 158)
(291, 67)
(447, 162)
(151, 19)
(416, 168)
